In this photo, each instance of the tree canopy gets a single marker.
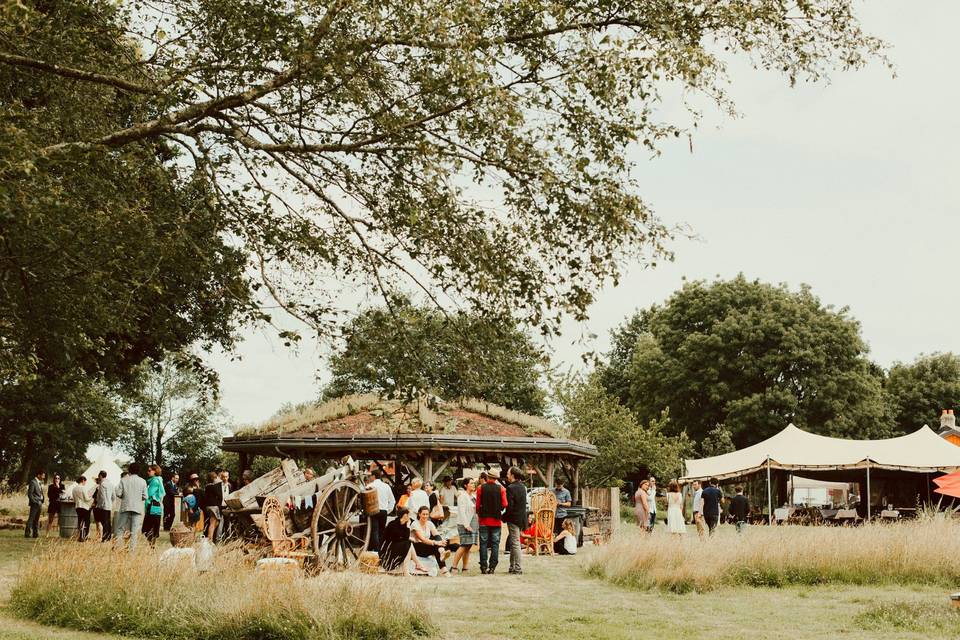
(412, 349)
(917, 392)
(338, 138)
(623, 444)
(746, 358)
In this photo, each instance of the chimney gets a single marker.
(948, 420)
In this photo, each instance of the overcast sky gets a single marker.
(850, 187)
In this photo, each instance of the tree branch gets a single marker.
(76, 74)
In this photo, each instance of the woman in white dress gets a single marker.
(675, 523)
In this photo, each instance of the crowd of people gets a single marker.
(706, 508)
(482, 507)
(406, 531)
(135, 505)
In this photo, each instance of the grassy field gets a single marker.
(555, 598)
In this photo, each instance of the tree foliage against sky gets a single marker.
(339, 138)
(919, 391)
(172, 417)
(418, 349)
(624, 445)
(750, 357)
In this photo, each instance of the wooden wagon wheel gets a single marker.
(340, 533)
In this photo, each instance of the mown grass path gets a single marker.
(554, 599)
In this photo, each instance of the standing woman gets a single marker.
(153, 506)
(212, 497)
(53, 502)
(426, 540)
(675, 523)
(467, 524)
(642, 505)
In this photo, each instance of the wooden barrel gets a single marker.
(371, 502)
(68, 519)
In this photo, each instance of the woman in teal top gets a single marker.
(153, 507)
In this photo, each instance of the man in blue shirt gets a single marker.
(564, 500)
(711, 498)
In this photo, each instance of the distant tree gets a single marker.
(917, 392)
(407, 349)
(173, 419)
(717, 442)
(750, 356)
(625, 446)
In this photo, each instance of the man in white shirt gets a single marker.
(386, 501)
(698, 509)
(83, 503)
(652, 495)
(418, 498)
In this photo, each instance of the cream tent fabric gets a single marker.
(794, 449)
(103, 463)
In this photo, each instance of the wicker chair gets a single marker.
(543, 504)
(274, 525)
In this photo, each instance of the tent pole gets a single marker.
(868, 489)
(769, 496)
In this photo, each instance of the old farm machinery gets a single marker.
(319, 522)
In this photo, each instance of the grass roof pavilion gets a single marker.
(426, 438)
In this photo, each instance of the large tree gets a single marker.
(106, 259)
(408, 349)
(918, 392)
(341, 138)
(746, 358)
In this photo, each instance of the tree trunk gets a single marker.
(158, 449)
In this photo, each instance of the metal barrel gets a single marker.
(68, 519)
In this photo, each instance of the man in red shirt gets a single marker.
(491, 501)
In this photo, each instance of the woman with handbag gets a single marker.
(153, 507)
(437, 515)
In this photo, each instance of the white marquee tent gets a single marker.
(103, 463)
(794, 449)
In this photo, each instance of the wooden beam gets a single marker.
(576, 483)
(443, 467)
(427, 467)
(550, 472)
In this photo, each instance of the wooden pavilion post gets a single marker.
(868, 490)
(769, 495)
(550, 472)
(576, 482)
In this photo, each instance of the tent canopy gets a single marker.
(794, 449)
(103, 463)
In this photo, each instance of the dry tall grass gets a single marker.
(13, 503)
(91, 588)
(924, 551)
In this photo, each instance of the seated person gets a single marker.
(565, 543)
(396, 549)
(426, 541)
(526, 536)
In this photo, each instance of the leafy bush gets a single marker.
(90, 588)
(918, 552)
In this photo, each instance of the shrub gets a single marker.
(919, 552)
(91, 588)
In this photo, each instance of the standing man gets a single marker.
(564, 500)
(132, 492)
(652, 495)
(515, 515)
(103, 506)
(170, 488)
(386, 501)
(739, 509)
(35, 500)
(491, 500)
(83, 500)
(698, 509)
(711, 497)
(226, 488)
